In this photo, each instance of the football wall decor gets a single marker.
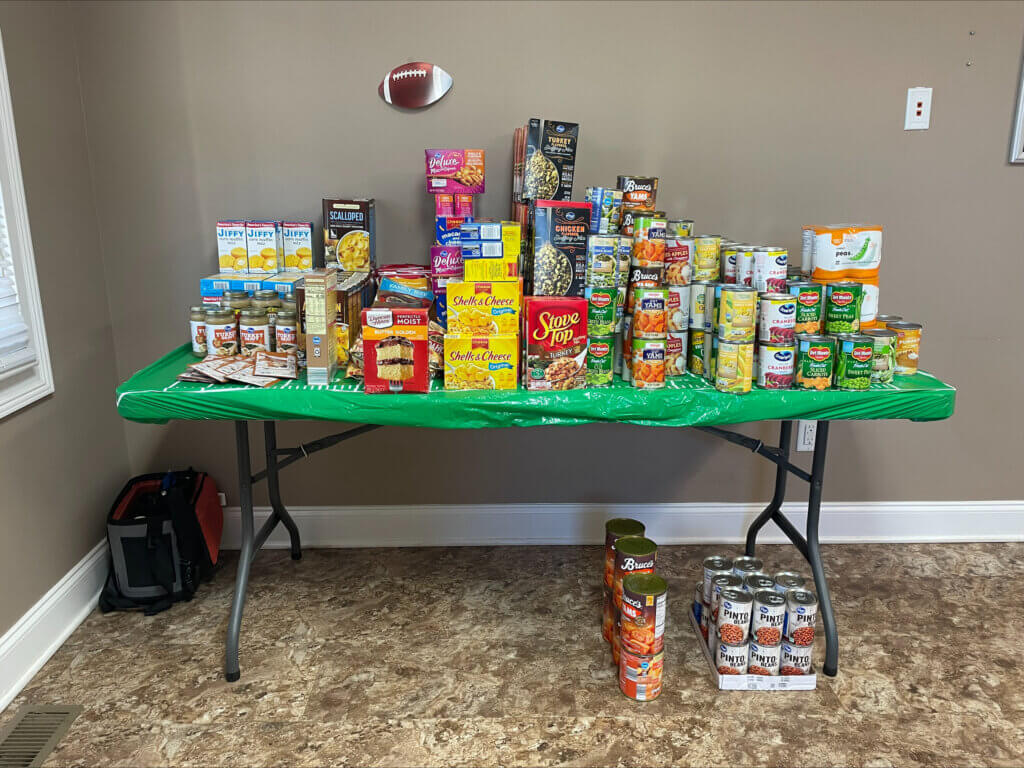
(414, 85)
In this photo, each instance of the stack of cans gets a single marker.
(755, 623)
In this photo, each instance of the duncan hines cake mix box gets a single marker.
(554, 343)
(396, 354)
(455, 171)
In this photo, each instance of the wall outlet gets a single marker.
(222, 499)
(806, 431)
(919, 109)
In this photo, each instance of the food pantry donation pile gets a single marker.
(755, 623)
(563, 295)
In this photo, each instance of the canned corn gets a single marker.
(736, 313)
(734, 366)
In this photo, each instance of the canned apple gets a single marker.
(678, 308)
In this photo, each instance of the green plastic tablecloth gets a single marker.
(154, 395)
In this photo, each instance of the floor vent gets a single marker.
(33, 733)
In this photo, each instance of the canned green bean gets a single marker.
(623, 252)
(600, 359)
(815, 361)
(601, 309)
(883, 363)
(853, 361)
(620, 306)
(842, 307)
(602, 260)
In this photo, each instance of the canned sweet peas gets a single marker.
(854, 354)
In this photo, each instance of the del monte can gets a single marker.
(842, 307)
(853, 361)
(815, 361)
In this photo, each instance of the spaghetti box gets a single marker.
(214, 286)
(283, 282)
(448, 229)
(396, 355)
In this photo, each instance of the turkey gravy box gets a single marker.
(455, 171)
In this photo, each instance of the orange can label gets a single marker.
(640, 677)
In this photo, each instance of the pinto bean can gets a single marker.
(698, 600)
(796, 659)
(614, 530)
(745, 564)
(810, 299)
(736, 313)
(775, 364)
(787, 580)
(770, 269)
(633, 554)
(644, 608)
(734, 610)
(801, 613)
(767, 617)
(712, 566)
(732, 658)
(640, 676)
(764, 659)
(755, 582)
(776, 320)
(719, 582)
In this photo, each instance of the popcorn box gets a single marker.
(396, 356)
(481, 362)
(298, 245)
(232, 253)
(263, 246)
(484, 308)
(455, 170)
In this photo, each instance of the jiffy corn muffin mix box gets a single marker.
(232, 254)
(484, 309)
(264, 244)
(481, 362)
(298, 246)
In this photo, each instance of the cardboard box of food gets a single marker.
(320, 304)
(455, 170)
(481, 362)
(396, 356)
(350, 239)
(484, 308)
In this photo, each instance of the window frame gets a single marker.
(21, 387)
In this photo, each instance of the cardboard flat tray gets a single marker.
(751, 682)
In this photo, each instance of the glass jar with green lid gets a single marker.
(197, 330)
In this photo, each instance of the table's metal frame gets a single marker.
(278, 458)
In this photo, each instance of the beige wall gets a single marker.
(63, 458)
(758, 117)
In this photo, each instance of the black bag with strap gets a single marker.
(164, 533)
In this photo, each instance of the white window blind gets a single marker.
(25, 372)
(16, 352)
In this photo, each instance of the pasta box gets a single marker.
(455, 171)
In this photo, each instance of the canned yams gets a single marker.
(633, 554)
(644, 608)
(614, 530)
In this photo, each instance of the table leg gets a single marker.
(773, 508)
(831, 666)
(231, 671)
(274, 488)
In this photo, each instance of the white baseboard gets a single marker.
(696, 523)
(38, 634)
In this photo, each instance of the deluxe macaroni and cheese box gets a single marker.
(484, 308)
(481, 362)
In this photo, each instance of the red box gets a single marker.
(396, 354)
(554, 343)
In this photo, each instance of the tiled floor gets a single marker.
(493, 656)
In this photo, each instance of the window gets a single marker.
(25, 374)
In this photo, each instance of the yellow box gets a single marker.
(481, 362)
(505, 269)
(484, 308)
(511, 239)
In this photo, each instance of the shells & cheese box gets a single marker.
(232, 254)
(297, 237)
(481, 362)
(264, 246)
(485, 308)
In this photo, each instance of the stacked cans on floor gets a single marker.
(635, 608)
(755, 623)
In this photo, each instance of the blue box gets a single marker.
(215, 285)
(481, 230)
